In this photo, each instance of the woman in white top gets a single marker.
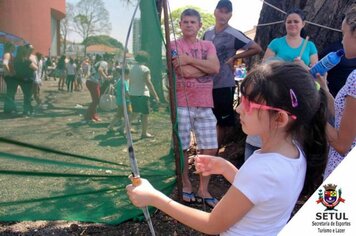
(342, 136)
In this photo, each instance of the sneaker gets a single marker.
(147, 135)
(138, 122)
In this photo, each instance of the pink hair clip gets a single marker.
(293, 98)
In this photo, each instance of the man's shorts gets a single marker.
(223, 106)
(140, 104)
(202, 122)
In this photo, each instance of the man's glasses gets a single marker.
(248, 106)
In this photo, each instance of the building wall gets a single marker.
(36, 21)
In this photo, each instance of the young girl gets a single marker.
(141, 89)
(120, 107)
(281, 104)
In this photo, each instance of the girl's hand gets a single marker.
(209, 165)
(321, 79)
(143, 194)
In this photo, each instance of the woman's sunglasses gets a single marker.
(248, 106)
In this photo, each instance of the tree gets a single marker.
(324, 12)
(66, 24)
(207, 19)
(91, 18)
(103, 39)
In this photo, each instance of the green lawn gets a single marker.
(88, 182)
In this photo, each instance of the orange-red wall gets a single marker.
(31, 20)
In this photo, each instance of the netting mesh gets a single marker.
(54, 166)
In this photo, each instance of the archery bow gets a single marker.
(135, 177)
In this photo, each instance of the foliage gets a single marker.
(103, 39)
(91, 18)
(207, 19)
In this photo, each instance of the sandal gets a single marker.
(189, 197)
(209, 201)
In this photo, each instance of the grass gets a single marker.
(58, 127)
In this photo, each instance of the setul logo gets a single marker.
(331, 197)
(331, 220)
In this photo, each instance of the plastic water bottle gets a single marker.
(327, 63)
(174, 53)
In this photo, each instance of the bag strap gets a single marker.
(109, 89)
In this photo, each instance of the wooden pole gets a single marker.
(173, 106)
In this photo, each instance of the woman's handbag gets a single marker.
(107, 101)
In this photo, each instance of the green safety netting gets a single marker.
(55, 167)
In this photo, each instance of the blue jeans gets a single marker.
(11, 88)
(26, 87)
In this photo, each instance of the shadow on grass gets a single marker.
(98, 195)
(111, 139)
(40, 191)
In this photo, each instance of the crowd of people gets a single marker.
(288, 112)
(29, 70)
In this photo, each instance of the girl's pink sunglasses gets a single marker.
(248, 106)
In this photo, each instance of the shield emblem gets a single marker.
(330, 196)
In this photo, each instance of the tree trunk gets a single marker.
(324, 12)
(64, 44)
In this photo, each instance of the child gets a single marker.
(281, 104)
(141, 88)
(120, 108)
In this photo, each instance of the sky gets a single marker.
(245, 13)
(244, 16)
